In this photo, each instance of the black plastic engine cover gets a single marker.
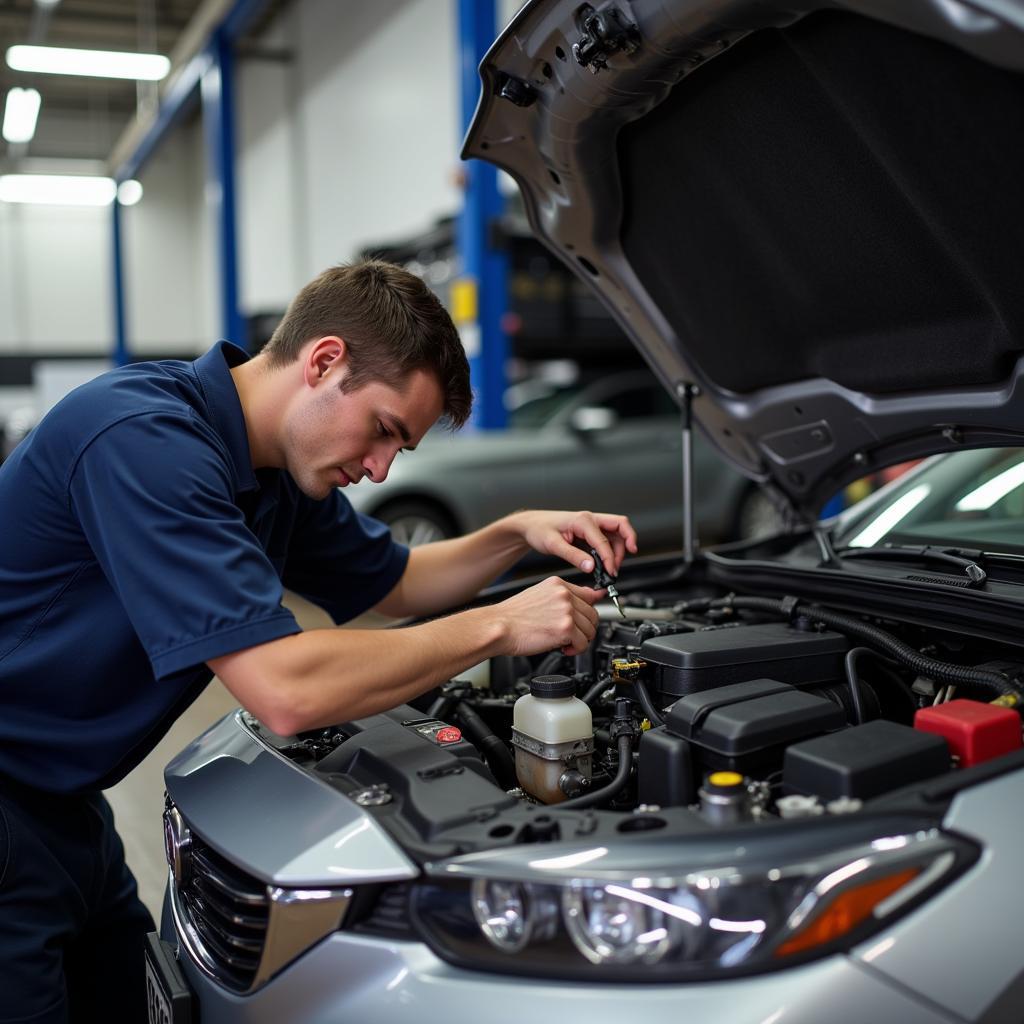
(864, 761)
(692, 662)
(746, 726)
(437, 780)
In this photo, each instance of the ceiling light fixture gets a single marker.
(21, 114)
(129, 192)
(57, 189)
(57, 60)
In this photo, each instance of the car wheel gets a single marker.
(757, 516)
(416, 522)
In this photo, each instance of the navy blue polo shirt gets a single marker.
(136, 543)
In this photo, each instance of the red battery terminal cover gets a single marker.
(976, 732)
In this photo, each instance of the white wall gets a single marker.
(171, 289)
(380, 113)
(353, 141)
(272, 212)
(55, 284)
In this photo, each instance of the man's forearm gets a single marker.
(448, 573)
(315, 678)
(322, 676)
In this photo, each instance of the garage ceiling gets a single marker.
(82, 118)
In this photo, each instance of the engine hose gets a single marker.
(598, 796)
(497, 755)
(850, 663)
(442, 707)
(644, 696)
(551, 663)
(991, 683)
(597, 689)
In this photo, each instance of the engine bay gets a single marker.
(690, 713)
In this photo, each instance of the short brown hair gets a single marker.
(391, 323)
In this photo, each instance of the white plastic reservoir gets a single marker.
(553, 734)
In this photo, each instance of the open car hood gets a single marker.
(813, 214)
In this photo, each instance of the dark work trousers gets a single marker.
(71, 922)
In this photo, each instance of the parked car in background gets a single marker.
(609, 445)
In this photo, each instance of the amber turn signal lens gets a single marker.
(844, 912)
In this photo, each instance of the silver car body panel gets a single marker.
(317, 837)
(347, 978)
(961, 968)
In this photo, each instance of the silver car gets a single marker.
(611, 443)
(793, 795)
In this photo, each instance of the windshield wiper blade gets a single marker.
(960, 558)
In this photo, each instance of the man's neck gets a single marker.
(262, 392)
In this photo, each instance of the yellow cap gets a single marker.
(725, 779)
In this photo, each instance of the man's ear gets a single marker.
(325, 359)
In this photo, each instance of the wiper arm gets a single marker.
(966, 561)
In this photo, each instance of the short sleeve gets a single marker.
(154, 496)
(341, 560)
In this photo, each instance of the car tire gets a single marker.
(413, 522)
(757, 516)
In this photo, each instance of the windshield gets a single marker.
(535, 412)
(970, 499)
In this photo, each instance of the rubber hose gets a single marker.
(647, 704)
(596, 690)
(442, 707)
(851, 677)
(993, 684)
(550, 663)
(615, 786)
(497, 755)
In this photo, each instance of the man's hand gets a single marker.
(548, 615)
(555, 533)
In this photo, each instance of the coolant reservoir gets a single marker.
(553, 734)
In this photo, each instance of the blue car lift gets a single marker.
(479, 297)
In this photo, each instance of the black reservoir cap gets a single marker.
(750, 716)
(552, 686)
(864, 761)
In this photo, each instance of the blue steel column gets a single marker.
(480, 261)
(217, 91)
(120, 323)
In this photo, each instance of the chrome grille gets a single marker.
(229, 911)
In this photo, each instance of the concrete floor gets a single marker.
(138, 801)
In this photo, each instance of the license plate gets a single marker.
(168, 1000)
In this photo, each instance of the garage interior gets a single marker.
(780, 758)
(344, 121)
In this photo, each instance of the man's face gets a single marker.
(334, 438)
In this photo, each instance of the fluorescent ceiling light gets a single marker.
(20, 114)
(891, 517)
(57, 189)
(129, 192)
(984, 497)
(56, 60)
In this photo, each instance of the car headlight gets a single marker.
(562, 916)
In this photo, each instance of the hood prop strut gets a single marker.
(686, 392)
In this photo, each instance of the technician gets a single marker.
(147, 527)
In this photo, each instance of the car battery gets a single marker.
(976, 732)
(744, 727)
(684, 663)
(863, 761)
